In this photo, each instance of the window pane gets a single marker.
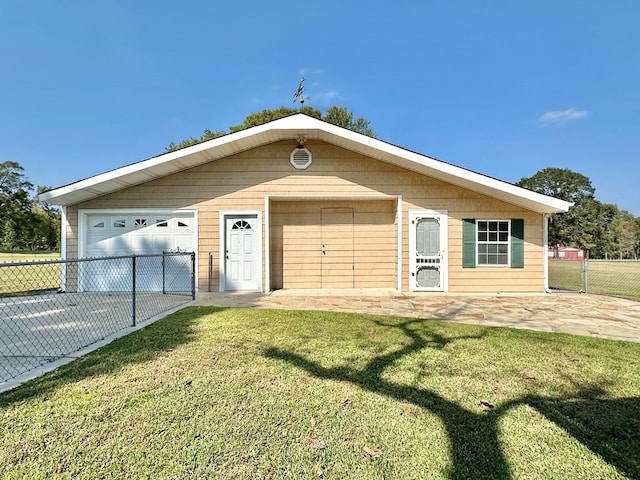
(493, 242)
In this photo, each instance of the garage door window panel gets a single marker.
(98, 223)
(139, 222)
(119, 223)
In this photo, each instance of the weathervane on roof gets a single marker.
(299, 95)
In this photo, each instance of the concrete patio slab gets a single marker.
(573, 313)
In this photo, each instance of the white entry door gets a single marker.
(242, 258)
(428, 251)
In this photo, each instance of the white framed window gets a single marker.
(493, 242)
(241, 225)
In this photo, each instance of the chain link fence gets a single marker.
(51, 309)
(620, 278)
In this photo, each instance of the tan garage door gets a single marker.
(337, 259)
(333, 244)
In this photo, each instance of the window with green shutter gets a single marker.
(492, 243)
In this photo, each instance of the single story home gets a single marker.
(301, 203)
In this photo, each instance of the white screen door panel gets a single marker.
(428, 251)
(241, 253)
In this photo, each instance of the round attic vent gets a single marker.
(300, 158)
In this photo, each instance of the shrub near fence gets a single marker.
(619, 278)
(50, 309)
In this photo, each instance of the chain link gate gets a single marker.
(620, 278)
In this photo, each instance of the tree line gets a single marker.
(601, 229)
(25, 222)
(339, 116)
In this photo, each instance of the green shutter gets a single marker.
(517, 243)
(469, 243)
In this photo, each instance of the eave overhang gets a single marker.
(291, 128)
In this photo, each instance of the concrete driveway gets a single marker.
(574, 313)
(39, 330)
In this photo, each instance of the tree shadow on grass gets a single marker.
(473, 435)
(609, 428)
(138, 347)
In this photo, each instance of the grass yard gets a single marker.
(28, 256)
(620, 279)
(252, 393)
(28, 279)
(616, 278)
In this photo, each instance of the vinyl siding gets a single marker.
(241, 182)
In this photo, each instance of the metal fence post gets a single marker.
(133, 292)
(585, 275)
(210, 277)
(193, 275)
(164, 274)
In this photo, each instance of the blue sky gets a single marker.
(503, 87)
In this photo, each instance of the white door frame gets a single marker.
(443, 217)
(222, 228)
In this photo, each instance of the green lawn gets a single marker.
(250, 393)
(28, 256)
(28, 279)
(616, 278)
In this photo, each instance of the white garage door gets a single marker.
(139, 233)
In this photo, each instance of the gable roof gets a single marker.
(291, 128)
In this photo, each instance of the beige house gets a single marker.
(301, 203)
